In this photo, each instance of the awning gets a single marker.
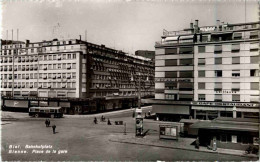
(185, 37)
(215, 108)
(225, 126)
(171, 109)
(167, 39)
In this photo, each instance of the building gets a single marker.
(207, 72)
(147, 54)
(77, 75)
(229, 133)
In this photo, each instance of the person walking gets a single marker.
(53, 128)
(46, 122)
(197, 143)
(108, 122)
(49, 122)
(95, 120)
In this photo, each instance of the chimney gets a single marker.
(196, 26)
(218, 23)
(79, 37)
(191, 25)
(27, 42)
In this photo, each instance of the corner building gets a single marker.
(207, 72)
(79, 76)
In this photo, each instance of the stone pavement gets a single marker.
(152, 139)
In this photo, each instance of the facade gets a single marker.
(77, 75)
(147, 54)
(229, 133)
(208, 72)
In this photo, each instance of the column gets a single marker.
(194, 115)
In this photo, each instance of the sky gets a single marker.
(127, 25)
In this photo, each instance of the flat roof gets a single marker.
(250, 120)
(225, 126)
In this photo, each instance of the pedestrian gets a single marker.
(49, 122)
(95, 120)
(197, 143)
(108, 122)
(46, 122)
(53, 128)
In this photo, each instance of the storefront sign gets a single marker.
(16, 103)
(227, 92)
(172, 80)
(226, 104)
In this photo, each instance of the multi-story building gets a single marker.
(77, 75)
(146, 53)
(208, 71)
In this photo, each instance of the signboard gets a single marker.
(225, 104)
(172, 80)
(168, 132)
(16, 103)
(226, 92)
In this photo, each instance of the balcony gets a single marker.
(15, 86)
(23, 86)
(27, 77)
(69, 67)
(31, 68)
(35, 68)
(54, 77)
(45, 68)
(10, 69)
(36, 59)
(27, 59)
(15, 69)
(45, 77)
(23, 60)
(68, 77)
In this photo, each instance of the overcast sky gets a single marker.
(126, 25)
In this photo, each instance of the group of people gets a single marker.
(103, 119)
(48, 122)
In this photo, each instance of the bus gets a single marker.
(52, 112)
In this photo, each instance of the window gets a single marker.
(235, 60)
(69, 56)
(185, 97)
(186, 50)
(218, 60)
(171, 74)
(201, 86)
(64, 56)
(204, 38)
(170, 51)
(171, 62)
(235, 86)
(170, 85)
(59, 66)
(50, 57)
(185, 86)
(254, 35)
(235, 48)
(73, 75)
(237, 36)
(73, 66)
(218, 73)
(171, 96)
(201, 97)
(186, 61)
(254, 86)
(186, 74)
(218, 98)
(201, 61)
(202, 49)
(254, 59)
(235, 97)
(74, 56)
(235, 73)
(201, 73)
(218, 49)
(254, 72)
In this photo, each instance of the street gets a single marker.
(78, 138)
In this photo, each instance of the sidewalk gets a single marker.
(152, 139)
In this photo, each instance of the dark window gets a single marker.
(185, 97)
(218, 73)
(235, 73)
(235, 97)
(185, 86)
(186, 50)
(235, 60)
(171, 74)
(218, 60)
(254, 59)
(170, 51)
(201, 86)
(186, 61)
(254, 86)
(253, 72)
(235, 48)
(202, 49)
(218, 49)
(186, 74)
(201, 61)
(171, 62)
(201, 73)
(170, 85)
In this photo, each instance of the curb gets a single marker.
(170, 147)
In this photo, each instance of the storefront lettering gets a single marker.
(226, 104)
(226, 91)
(172, 80)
